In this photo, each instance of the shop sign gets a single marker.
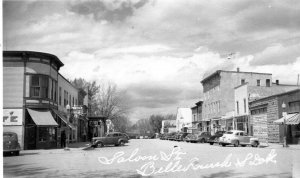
(12, 116)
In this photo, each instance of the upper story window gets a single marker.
(259, 111)
(294, 106)
(59, 99)
(268, 83)
(39, 86)
(243, 81)
(258, 82)
(54, 66)
(237, 107)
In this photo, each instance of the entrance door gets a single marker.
(30, 137)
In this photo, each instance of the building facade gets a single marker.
(197, 116)
(218, 96)
(168, 126)
(266, 110)
(183, 119)
(244, 94)
(31, 102)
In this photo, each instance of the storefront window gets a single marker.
(43, 134)
(47, 134)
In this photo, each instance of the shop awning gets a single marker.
(291, 119)
(42, 118)
(64, 119)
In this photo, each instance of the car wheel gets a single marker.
(202, 140)
(121, 143)
(223, 144)
(211, 143)
(16, 153)
(100, 144)
(255, 144)
(236, 144)
(243, 145)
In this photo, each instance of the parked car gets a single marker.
(181, 136)
(171, 136)
(113, 138)
(10, 143)
(188, 137)
(238, 137)
(215, 138)
(201, 137)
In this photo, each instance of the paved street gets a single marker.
(154, 158)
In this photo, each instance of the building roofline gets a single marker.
(241, 85)
(34, 54)
(283, 84)
(68, 81)
(219, 71)
(276, 95)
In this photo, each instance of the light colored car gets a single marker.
(113, 138)
(238, 137)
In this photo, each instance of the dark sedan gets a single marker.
(113, 138)
(202, 137)
(10, 143)
(215, 138)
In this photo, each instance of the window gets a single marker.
(259, 111)
(76, 102)
(268, 83)
(39, 86)
(242, 81)
(73, 101)
(65, 98)
(237, 107)
(59, 99)
(70, 100)
(294, 106)
(245, 105)
(258, 82)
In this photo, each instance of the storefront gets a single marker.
(40, 129)
(96, 127)
(292, 124)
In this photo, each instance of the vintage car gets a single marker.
(238, 137)
(180, 136)
(188, 137)
(201, 137)
(215, 138)
(113, 138)
(10, 143)
(171, 136)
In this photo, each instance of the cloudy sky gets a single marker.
(159, 50)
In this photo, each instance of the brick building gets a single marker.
(244, 94)
(218, 92)
(265, 111)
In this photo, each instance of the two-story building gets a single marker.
(218, 96)
(32, 100)
(244, 94)
(265, 111)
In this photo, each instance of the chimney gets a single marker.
(238, 69)
(277, 82)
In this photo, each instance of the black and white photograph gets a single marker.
(150, 88)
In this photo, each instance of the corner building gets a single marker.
(31, 98)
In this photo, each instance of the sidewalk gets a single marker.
(79, 144)
(280, 146)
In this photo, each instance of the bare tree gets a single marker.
(121, 124)
(109, 102)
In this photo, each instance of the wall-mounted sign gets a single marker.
(12, 116)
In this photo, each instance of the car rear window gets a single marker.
(7, 137)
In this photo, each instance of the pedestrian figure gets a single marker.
(63, 139)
